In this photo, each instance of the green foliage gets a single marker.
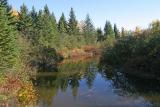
(108, 30)
(24, 22)
(62, 24)
(155, 26)
(72, 25)
(89, 31)
(45, 59)
(8, 41)
(116, 31)
(123, 32)
(4, 3)
(100, 36)
(138, 56)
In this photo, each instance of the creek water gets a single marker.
(82, 83)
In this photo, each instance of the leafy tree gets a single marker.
(62, 24)
(72, 23)
(116, 31)
(108, 30)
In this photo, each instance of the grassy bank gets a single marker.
(84, 51)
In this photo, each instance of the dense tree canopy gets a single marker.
(8, 40)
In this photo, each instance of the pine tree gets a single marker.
(72, 23)
(108, 30)
(116, 31)
(8, 41)
(62, 24)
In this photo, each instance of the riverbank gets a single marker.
(16, 85)
(82, 52)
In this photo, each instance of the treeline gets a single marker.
(32, 38)
(42, 28)
(137, 53)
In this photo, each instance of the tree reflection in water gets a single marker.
(84, 76)
(129, 85)
(69, 75)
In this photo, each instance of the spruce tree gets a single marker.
(123, 32)
(72, 25)
(48, 27)
(108, 30)
(100, 36)
(62, 24)
(24, 23)
(89, 31)
(116, 31)
(8, 41)
(3, 3)
(33, 14)
(34, 28)
(88, 27)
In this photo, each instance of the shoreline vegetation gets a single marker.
(136, 54)
(33, 41)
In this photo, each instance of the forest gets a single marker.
(34, 41)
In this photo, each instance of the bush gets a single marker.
(135, 55)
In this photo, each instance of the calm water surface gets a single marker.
(83, 84)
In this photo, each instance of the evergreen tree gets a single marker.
(89, 31)
(33, 14)
(8, 41)
(34, 28)
(48, 27)
(100, 36)
(88, 27)
(72, 23)
(54, 23)
(24, 23)
(46, 10)
(108, 30)
(116, 31)
(3, 3)
(123, 32)
(62, 24)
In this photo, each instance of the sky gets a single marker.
(125, 13)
